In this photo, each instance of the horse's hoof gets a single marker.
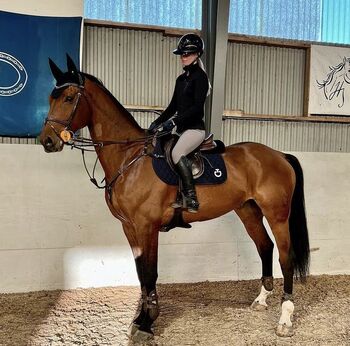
(258, 307)
(284, 330)
(142, 336)
(133, 329)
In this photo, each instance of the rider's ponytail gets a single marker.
(201, 65)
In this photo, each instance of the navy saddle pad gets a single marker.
(214, 169)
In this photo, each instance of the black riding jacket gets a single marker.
(190, 92)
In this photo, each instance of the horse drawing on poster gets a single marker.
(336, 81)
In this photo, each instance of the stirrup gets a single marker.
(186, 202)
(191, 202)
(193, 207)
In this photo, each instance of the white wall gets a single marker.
(56, 231)
(61, 8)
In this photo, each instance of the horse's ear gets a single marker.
(56, 72)
(71, 66)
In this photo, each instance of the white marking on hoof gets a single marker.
(285, 327)
(133, 329)
(259, 304)
(141, 336)
(284, 331)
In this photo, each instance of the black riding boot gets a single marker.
(189, 193)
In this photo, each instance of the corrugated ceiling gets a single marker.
(311, 20)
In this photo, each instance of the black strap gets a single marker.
(92, 177)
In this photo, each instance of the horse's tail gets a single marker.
(300, 250)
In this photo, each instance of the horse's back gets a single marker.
(254, 148)
(248, 154)
(265, 172)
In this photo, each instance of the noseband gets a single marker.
(66, 123)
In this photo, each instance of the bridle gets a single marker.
(87, 144)
(80, 142)
(66, 123)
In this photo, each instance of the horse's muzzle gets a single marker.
(51, 146)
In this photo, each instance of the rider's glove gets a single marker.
(168, 125)
(152, 127)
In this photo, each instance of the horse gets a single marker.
(261, 182)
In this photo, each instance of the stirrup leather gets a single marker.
(178, 202)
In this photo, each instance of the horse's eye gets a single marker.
(68, 99)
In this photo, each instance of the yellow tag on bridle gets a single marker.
(66, 136)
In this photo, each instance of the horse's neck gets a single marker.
(109, 119)
(111, 122)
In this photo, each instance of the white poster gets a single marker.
(329, 80)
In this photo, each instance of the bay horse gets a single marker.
(261, 182)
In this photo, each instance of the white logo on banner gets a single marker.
(22, 76)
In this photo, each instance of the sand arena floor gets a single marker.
(209, 313)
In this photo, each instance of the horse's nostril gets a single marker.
(48, 142)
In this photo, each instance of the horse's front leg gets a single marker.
(144, 244)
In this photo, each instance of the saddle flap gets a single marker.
(195, 159)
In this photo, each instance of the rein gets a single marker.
(81, 143)
(145, 140)
(120, 171)
(68, 137)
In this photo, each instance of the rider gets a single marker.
(186, 112)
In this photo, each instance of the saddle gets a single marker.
(194, 157)
(207, 164)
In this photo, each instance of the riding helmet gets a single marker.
(189, 43)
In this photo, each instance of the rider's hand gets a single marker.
(168, 125)
(152, 127)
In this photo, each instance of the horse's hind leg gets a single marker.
(280, 230)
(252, 218)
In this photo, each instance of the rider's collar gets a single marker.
(191, 67)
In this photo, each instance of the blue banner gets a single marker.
(25, 78)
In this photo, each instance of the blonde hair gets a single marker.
(201, 65)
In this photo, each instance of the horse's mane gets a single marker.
(330, 75)
(115, 101)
